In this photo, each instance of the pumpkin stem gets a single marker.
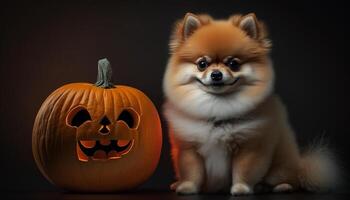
(104, 76)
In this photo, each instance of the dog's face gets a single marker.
(218, 68)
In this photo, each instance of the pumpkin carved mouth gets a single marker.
(102, 149)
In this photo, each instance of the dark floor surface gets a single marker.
(166, 195)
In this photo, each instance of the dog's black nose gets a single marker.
(216, 75)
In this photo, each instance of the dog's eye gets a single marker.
(202, 64)
(233, 64)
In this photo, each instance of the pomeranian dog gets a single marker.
(228, 130)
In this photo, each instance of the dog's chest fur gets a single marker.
(217, 140)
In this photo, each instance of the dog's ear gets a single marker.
(191, 23)
(249, 24)
(185, 27)
(253, 27)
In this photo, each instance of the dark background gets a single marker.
(45, 45)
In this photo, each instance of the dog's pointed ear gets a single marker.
(190, 24)
(253, 27)
(249, 24)
(185, 27)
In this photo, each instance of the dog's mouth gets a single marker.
(218, 84)
(102, 149)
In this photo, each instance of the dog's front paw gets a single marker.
(187, 187)
(241, 189)
(174, 185)
(283, 187)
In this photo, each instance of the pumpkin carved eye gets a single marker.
(78, 116)
(130, 117)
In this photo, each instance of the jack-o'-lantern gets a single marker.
(97, 137)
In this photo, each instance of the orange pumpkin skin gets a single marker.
(55, 140)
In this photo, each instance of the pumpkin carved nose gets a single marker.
(105, 121)
(104, 130)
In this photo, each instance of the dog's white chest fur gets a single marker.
(216, 142)
(217, 159)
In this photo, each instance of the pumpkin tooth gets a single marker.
(113, 155)
(81, 155)
(99, 155)
(122, 143)
(105, 142)
(88, 143)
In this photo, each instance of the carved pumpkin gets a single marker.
(97, 137)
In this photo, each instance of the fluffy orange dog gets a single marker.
(228, 130)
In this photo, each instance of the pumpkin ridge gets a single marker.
(122, 97)
(84, 95)
(58, 105)
(127, 97)
(37, 143)
(47, 127)
(92, 92)
(129, 93)
(111, 93)
(134, 93)
(105, 102)
(42, 146)
(77, 99)
(68, 101)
